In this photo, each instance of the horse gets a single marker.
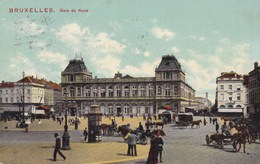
(197, 123)
(123, 129)
(159, 124)
(240, 138)
(104, 128)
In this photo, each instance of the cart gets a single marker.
(184, 120)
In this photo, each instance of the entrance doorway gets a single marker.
(119, 111)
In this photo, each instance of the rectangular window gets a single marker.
(12, 100)
(230, 87)
(159, 90)
(1, 100)
(238, 97)
(79, 91)
(222, 97)
(28, 91)
(222, 87)
(6, 91)
(6, 99)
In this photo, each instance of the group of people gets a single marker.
(156, 149)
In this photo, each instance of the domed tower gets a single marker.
(75, 73)
(169, 69)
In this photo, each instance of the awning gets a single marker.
(40, 112)
(230, 110)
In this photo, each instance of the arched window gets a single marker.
(239, 106)
(222, 106)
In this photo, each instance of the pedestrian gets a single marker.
(57, 147)
(85, 133)
(205, 123)
(153, 152)
(127, 140)
(123, 117)
(210, 119)
(140, 127)
(132, 143)
(217, 127)
(160, 143)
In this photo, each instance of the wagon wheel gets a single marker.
(220, 144)
(207, 139)
(110, 132)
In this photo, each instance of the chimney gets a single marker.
(256, 65)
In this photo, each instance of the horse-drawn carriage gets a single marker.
(220, 139)
(184, 120)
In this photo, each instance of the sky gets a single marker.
(130, 36)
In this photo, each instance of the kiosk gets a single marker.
(94, 122)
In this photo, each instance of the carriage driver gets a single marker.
(225, 129)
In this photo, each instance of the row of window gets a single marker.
(19, 91)
(222, 97)
(230, 106)
(230, 87)
(19, 99)
(127, 92)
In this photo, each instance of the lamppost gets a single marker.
(23, 95)
(66, 137)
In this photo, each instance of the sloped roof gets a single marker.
(169, 62)
(230, 75)
(76, 66)
(7, 85)
(49, 84)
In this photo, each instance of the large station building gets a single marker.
(127, 94)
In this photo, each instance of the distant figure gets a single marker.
(123, 117)
(57, 147)
(204, 121)
(217, 127)
(140, 127)
(210, 119)
(85, 133)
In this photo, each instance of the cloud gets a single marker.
(72, 34)
(161, 33)
(145, 69)
(175, 49)
(198, 38)
(81, 39)
(146, 53)
(49, 57)
(107, 66)
(104, 44)
(21, 63)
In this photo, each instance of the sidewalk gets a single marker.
(94, 153)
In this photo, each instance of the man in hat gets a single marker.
(57, 147)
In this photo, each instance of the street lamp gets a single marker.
(66, 137)
(23, 95)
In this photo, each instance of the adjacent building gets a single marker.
(254, 89)
(28, 93)
(127, 94)
(232, 93)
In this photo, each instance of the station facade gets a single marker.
(126, 94)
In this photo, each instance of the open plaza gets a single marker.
(182, 145)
